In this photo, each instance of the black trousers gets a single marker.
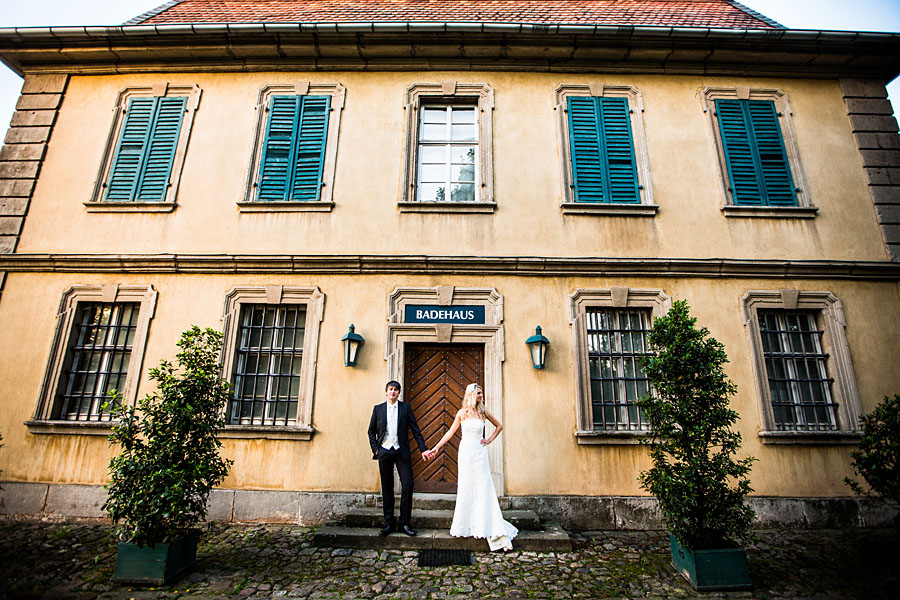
(387, 461)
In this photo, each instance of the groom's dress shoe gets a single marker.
(406, 529)
(387, 530)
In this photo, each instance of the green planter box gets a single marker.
(724, 569)
(155, 565)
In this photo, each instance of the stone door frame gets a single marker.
(490, 334)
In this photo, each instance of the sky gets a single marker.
(852, 15)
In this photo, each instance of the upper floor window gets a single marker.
(757, 152)
(99, 348)
(294, 154)
(807, 388)
(448, 154)
(605, 167)
(145, 150)
(448, 162)
(610, 329)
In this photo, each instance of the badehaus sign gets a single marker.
(458, 315)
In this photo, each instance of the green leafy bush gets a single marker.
(695, 477)
(877, 458)
(160, 482)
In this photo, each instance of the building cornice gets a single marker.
(528, 266)
(395, 46)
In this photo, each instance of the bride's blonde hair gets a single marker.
(471, 403)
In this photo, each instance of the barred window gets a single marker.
(799, 385)
(268, 360)
(617, 339)
(98, 359)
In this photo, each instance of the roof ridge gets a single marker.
(152, 12)
(755, 14)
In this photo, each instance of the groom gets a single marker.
(389, 429)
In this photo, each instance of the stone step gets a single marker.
(552, 538)
(436, 519)
(429, 501)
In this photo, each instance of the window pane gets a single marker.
(462, 154)
(432, 114)
(433, 173)
(432, 192)
(462, 132)
(433, 154)
(433, 132)
(463, 173)
(463, 115)
(463, 192)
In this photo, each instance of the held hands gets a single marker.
(485, 442)
(429, 454)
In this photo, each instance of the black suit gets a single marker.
(389, 458)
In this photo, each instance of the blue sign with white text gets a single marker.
(461, 315)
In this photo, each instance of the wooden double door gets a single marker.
(436, 376)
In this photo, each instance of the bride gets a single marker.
(477, 513)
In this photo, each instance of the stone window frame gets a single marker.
(580, 301)
(805, 208)
(314, 300)
(146, 297)
(338, 93)
(490, 334)
(164, 89)
(829, 317)
(599, 89)
(481, 95)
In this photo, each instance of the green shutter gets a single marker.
(602, 148)
(128, 158)
(757, 163)
(142, 163)
(294, 149)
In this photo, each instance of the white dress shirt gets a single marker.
(390, 439)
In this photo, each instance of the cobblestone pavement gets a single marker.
(76, 560)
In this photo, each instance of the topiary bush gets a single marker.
(698, 481)
(877, 458)
(169, 459)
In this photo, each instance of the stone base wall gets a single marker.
(579, 513)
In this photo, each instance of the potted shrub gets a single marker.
(169, 461)
(695, 475)
(877, 458)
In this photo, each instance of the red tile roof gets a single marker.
(661, 13)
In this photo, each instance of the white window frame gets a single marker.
(617, 298)
(599, 89)
(479, 95)
(314, 301)
(829, 317)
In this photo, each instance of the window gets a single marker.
(799, 386)
(101, 334)
(610, 329)
(270, 358)
(757, 152)
(603, 150)
(448, 154)
(268, 361)
(145, 151)
(448, 157)
(296, 142)
(617, 339)
(805, 380)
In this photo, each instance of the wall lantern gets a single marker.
(537, 344)
(352, 341)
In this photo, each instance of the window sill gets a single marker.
(123, 207)
(603, 208)
(280, 207)
(769, 212)
(97, 428)
(447, 207)
(820, 438)
(266, 432)
(610, 438)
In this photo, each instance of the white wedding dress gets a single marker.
(477, 512)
